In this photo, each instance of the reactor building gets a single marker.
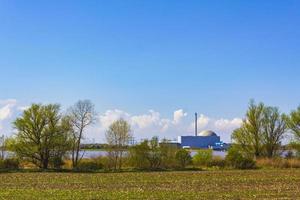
(204, 139)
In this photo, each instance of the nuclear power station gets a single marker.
(204, 139)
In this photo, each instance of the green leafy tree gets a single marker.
(41, 135)
(293, 123)
(261, 132)
(250, 135)
(64, 143)
(274, 128)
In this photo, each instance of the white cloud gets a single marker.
(23, 108)
(178, 116)
(145, 125)
(165, 125)
(225, 125)
(6, 110)
(147, 120)
(228, 125)
(112, 115)
(202, 123)
(222, 127)
(8, 101)
(138, 122)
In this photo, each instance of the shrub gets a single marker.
(289, 155)
(57, 162)
(149, 155)
(217, 161)
(168, 156)
(2, 164)
(89, 165)
(183, 157)
(203, 157)
(138, 155)
(154, 155)
(237, 160)
(9, 163)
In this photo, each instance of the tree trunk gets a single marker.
(45, 164)
(77, 148)
(120, 160)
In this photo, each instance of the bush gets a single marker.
(89, 165)
(295, 146)
(138, 156)
(150, 155)
(168, 156)
(237, 160)
(9, 163)
(289, 155)
(183, 157)
(203, 157)
(57, 162)
(218, 162)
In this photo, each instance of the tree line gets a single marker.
(47, 138)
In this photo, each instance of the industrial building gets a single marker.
(205, 139)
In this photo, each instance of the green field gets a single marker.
(259, 184)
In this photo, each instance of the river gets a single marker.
(96, 153)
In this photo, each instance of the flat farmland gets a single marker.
(227, 184)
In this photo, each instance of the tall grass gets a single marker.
(278, 163)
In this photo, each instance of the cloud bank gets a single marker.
(152, 124)
(145, 125)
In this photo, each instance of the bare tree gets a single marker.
(82, 114)
(118, 136)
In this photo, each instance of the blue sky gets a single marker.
(134, 56)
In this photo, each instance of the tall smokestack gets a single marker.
(196, 124)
